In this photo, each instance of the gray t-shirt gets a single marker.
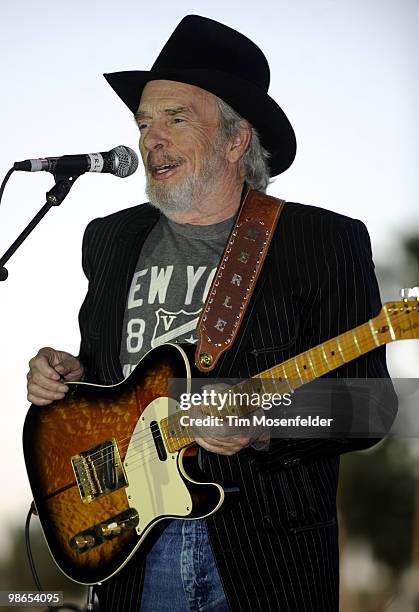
(172, 278)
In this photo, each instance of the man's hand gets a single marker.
(227, 440)
(46, 371)
(224, 446)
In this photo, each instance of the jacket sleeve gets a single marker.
(348, 296)
(85, 355)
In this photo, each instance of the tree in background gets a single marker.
(376, 498)
(15, 574)
(379, 494)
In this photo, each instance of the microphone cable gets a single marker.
(6, 178)
(68, 606)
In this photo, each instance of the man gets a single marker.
(208, 130)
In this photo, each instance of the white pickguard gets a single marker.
(155, 488)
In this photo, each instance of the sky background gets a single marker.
(345, 72)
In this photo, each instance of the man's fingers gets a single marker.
(230, 442)
(45, 371)
(46, 387)
(36, 393)
(218, 387)
(69, 367)
(39, 380)
(223, 446)
(41, 364)
(61, 369)
(38, 401)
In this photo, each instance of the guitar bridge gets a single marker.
(99, 471)
(107, 530)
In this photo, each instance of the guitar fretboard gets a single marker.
(396, 321)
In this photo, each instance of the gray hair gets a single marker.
(255, 159)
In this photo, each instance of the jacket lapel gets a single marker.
(125, 252)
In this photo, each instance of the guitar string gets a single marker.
(136, 437)
(279, 367)
(147, 434)
(141, 453)
(143, 456)
(352, 354)
(361, 341)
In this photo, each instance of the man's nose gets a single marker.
(156, 137)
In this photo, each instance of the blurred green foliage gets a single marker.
(411, 245)
(15, 574)
(376, 498)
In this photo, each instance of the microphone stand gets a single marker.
(54, 197)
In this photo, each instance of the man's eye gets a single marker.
(141, 126)
(178, 120)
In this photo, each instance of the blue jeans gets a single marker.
(180, 572)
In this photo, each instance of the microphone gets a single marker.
(121, 161)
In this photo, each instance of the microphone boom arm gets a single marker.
(54, 197)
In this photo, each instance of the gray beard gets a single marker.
(172, 199)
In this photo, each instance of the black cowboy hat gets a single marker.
(210, 55)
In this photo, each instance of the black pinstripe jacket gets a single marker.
(277, 548)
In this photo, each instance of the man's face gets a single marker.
(180, 143)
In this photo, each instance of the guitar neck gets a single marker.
(325, 357)
(395, 321)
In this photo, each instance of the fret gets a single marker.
(185, 437)
(186, 441)
(298, 371)
(291, 369)
(340, 349)
(174, 438)
(390, 326)
(286, 380)
(166, 439)
(355, 339)
(303, 371)
(246, 386)
(277, 378)
(281, 387)
(325, 357)
(334, 357)
(303, 368)
(183, 430)
(311, 363)
(374, 333)
(173, 433)
(320, 365)
(275, 385)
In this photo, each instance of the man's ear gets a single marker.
(239, 144)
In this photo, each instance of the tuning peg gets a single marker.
(409, 293)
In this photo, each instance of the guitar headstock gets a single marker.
(409, 293)
(401, 319)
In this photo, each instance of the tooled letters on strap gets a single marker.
(236, 277)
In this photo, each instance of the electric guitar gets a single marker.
(107, 463)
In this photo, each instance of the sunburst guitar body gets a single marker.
(108, 463)
(105, 469)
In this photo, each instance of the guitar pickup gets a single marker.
(99, 471)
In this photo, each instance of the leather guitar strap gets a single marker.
(236, 277)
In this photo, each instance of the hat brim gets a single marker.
(275, 131)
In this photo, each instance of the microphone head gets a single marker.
(125, 161)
